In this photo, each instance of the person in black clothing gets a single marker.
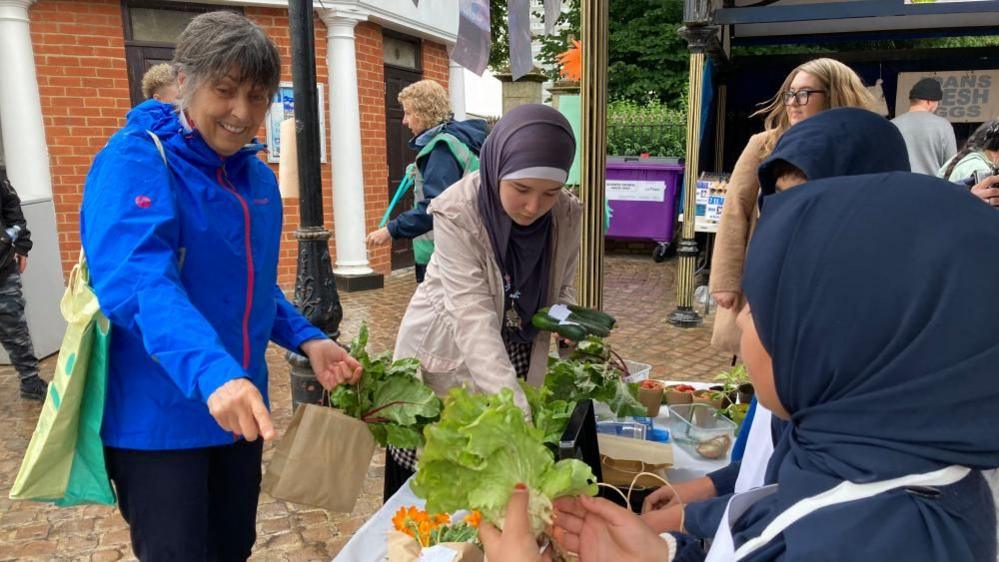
(15, 243)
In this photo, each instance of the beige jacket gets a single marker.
(453, 322)
(738, 219)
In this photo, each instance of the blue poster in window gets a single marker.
(283, 107)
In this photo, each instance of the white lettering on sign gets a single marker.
(970, 96)
(636, 190)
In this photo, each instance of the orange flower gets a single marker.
(572, 62)
(424, 529)
(474, 518)
(442, 519)
(399, 520)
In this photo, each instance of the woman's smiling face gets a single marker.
(227, 113)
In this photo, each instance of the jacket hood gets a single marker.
(472, 133)
(163, 120)
(838, 142)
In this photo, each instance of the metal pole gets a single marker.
(315, 290)
(697, 37)
(593, 24)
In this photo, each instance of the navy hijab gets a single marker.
(531, 136)
(839, 142)
(883, 328)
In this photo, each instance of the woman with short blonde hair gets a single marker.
(427, 102)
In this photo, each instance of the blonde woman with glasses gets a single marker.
(814, 86)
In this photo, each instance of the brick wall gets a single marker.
(371, 98)
(435, 62)
(83, 82)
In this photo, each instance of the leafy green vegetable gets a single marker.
(550, 415)
(481, 448)
(573, 380)
(390, 397)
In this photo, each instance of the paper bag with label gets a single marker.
(322, 460)
(623, 458)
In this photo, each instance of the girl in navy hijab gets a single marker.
(876, 336)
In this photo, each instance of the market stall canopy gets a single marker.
(755, 19)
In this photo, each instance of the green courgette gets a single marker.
(574, 332)
(596, 316)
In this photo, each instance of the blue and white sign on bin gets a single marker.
(710, 193)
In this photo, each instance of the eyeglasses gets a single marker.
(799, 97)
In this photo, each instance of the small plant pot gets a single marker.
(652, 399)
(726, 398)
(746, 393)
(676, 397)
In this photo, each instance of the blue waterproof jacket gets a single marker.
(184, 263)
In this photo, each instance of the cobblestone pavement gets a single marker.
(638, 292)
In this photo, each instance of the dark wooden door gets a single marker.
(400, 155)
(139, 60)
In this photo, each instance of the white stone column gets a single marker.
(456, 87)
(26, 157)
(345, 141)
(25, 151)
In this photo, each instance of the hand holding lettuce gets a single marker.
(390, 397)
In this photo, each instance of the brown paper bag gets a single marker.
(623, 458)
(322, 460)
(404, 548)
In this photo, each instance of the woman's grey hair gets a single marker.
(217, 43)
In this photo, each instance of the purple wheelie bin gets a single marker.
(641, 194)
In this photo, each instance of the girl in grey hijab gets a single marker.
(524, 163)
(507, 244)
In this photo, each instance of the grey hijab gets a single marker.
(528, 137)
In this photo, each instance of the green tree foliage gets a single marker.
(499, 50)
(648, 58)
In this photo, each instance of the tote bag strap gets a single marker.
(159, 147)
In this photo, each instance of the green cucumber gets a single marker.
(592, 327)
(596, 316)
(546, 323)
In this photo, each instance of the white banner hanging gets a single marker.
(553, 9)
(471, 50)
(519, 20)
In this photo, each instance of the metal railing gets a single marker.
(630, 138)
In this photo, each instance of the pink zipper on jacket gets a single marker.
(223, 180)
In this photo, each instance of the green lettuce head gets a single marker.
(480, 449)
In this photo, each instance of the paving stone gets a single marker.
(33, 531)
(106, 556)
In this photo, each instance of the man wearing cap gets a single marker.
(928, 137)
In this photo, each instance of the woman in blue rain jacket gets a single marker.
(181, 228)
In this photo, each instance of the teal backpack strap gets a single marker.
(466, 158)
